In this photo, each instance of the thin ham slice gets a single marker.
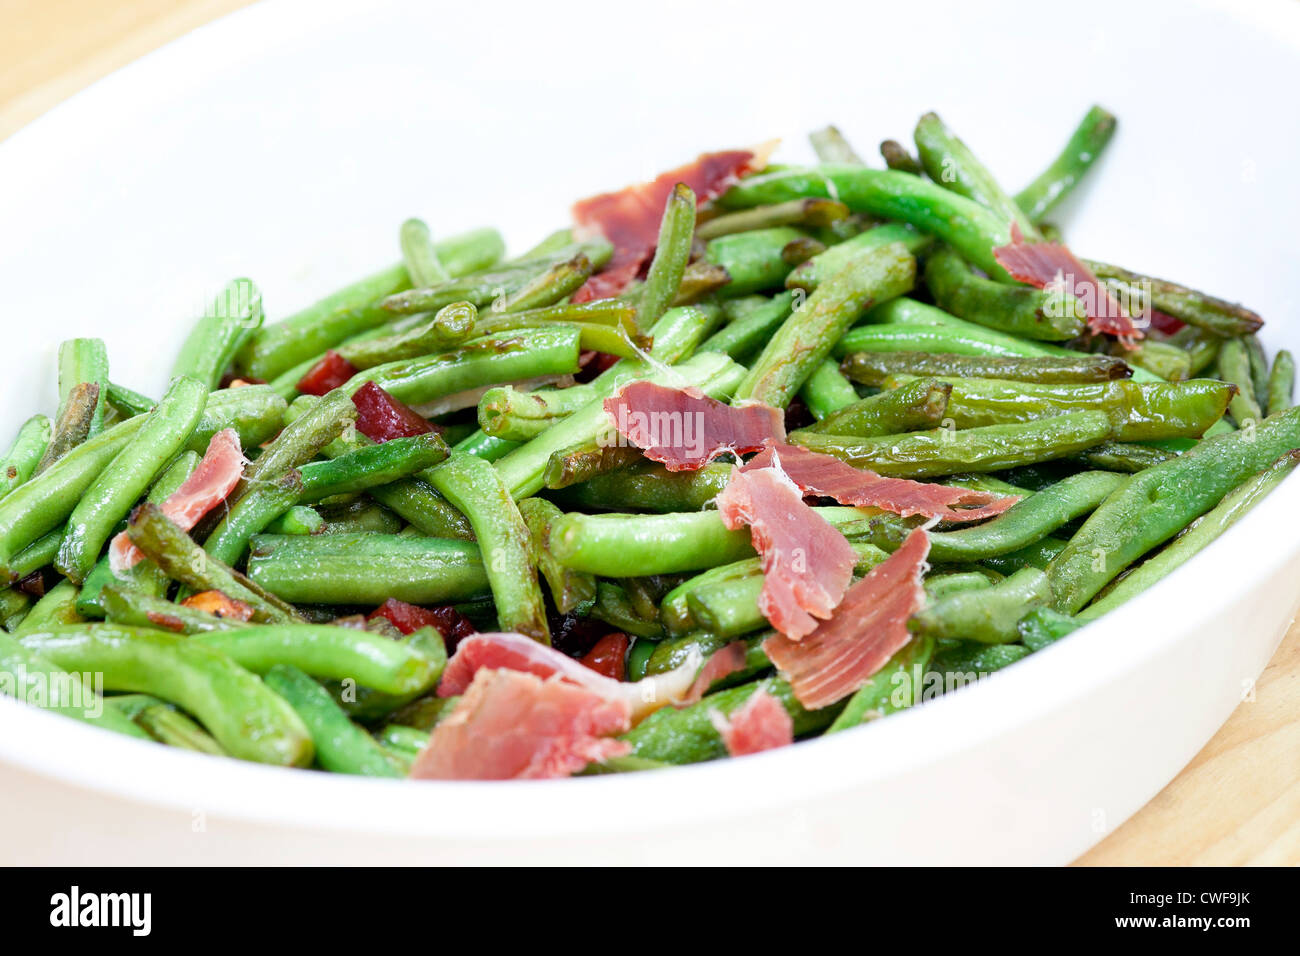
(511, 725)
(630, 217)
(515, 652)
(725, 661)
(807, 563)
(1050, 263)
(685, 429)
(868, 629)
(825, 475)
(759, 724)
(213, 479)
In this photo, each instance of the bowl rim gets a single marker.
(64, 750)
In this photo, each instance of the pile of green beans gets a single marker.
(865, 302)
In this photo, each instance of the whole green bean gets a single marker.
(340, 568)
(1053, 314)
(914, 405)
(1187, 305)
(1053, 184)
(1281, 382)
(370, 465)
(945, 452)
(475, 487)
(26, 451)
(232, 318)
(341, 746)
(1195, 537)
(877, 368)
(244, 716)
(1234, 367)
(109, 497)
(812, 273)
(420, 254)
(1158, 502)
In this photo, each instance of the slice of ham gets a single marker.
(684, 429)
(409, 618)
(1050, 263)
(515, 652)
(512, 725)
(725, 661)
(827, 476)
(759, 724)
(217, 473)
(807, 563)
(869, 627)
(629, 218)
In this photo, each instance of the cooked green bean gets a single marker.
(371, 465)
(827, 390)
(449, 326)
(169, 726)
(126, 605)
(831, 147)
(897, 156)
(1187, 305)
(582, 462)
(340, 568)
(809, 275)
(877, 368)
(571, 591)
(126, 402)
(244, 716)
(912, 406)
(84, 362)
(810, 213)
(1160, 358)
(1127, 457)
(109, 497)
(556, 284)
(232, 318)
(1058, 180)
(648, 487)
(361, 516)
(299, 519)
(1234, 367)
(265, 501)
(26, 451)
(421, 255)
(672, 252)
(1281, 382)
(341, 746)
(896, 686)
(971, 661)
(57, 606)
(72, 426)
(990, 615)
(748, 334)
(1053, 314)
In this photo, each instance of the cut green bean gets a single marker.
(72, 427)
(896, 686)
(421, 255)
(827, 390)
(449, 326)
(1234, 367)
(878, 368)
(341, 746)
(25, 453)
(812, 273)
(1184, 304)
(672, 252)
(990, 615)
(572, 592)
(125, 605)
(747, 335)
(915, 405)
(831, 147)
(1281, 382)
(648, 487)
(84, 362)
(1085, 145)
(1053, 314)
(232, 318)
(898, 157)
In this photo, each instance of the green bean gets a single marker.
(1202, 347)
(1043, 626)
(109, 497)
(217, 337)
(84, 362)
(57, 606)
(689, 736)
(826, 390)
(168, 726)
(971, 661)
(806, 338)
(480, 289)
(477, 490)
(340, 569)
(675, 611)
(72, 426)
(672, 252)
(182, 560)
(25, 452)
(555, 242)
(14, 608)
(1281, 382)
(1028, 520)
(449, 326)
(1086, 143)
(1160, 358)
(896, 686)
(517, 415)
(809, 275)
(266, 501)
(256, 413)
(1234, 367)
(811, 213)
(638, 658)
(330, 652)
(897, 156)
(361, 517)
(277, 348)
(648, 487)
(1187, 305)
(1037, 555)
(1194, 537)
(673, 652)
(420, 254)
(371, 465)
(30, 677)
(299, 519)
(990, 615)
(1123, 456)
(747, 335)
(572, 591)
(244, 716)
(1258, 368)
(962, 223)
(941, 585)
(523, 469)
(128, 403)
(506, 357)
(948, 160)
(944, 452)
(626, 546)
(831, 147)
(423, 713)
(914, 405)
(582, 462)
(1138, 411)
(126, 605)
(408, 741)
(554, 285)
(1054, 314)
(754, 260)
(613, 606)
(972, 341)
(1158, 502)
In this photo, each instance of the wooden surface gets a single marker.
(1238, 802)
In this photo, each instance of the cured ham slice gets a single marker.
(825, 475)
(630, 217)
(684, 429)
(209, 484)
(759, 724)
(807, 564)
(515, 652)
(1050, 263)
(512, 725)
(725, 661)
(409, 618)
(869, 627)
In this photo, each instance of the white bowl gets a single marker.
(286, 142)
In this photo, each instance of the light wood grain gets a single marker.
(1237, 802)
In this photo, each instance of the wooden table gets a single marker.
(1237, 802)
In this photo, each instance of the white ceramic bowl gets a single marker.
(286, 142)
